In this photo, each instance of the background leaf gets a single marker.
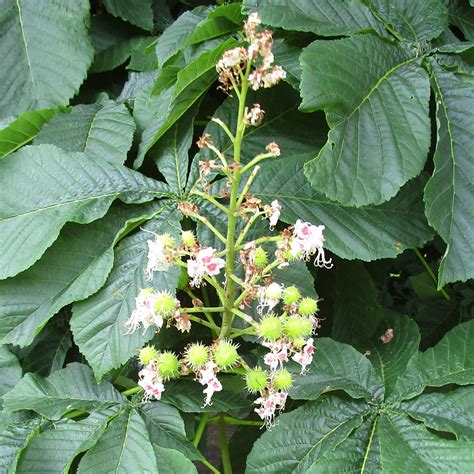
(139, 14)
(10, 371)
(172, 461)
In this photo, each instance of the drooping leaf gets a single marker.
(462, 15)
(46, 53)
(71, 388)
(23, 130)
(322, 17)
(380, 129)
(366, 233)
(452, 411)
(449, 193)
(50, 284)
(171, 461)
(57, 187)
(450, 361)
(337, 366)
(137, 13)
(98, 322)
(103, 131)
(166, 428)
(413, 21)
(304, 434)
(55, 448)
(390, 359)
(124, 447)
(10, 371)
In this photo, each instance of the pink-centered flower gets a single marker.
(161, 253)
(308, 240)
(151, 382)
(207, 376)
(305, 356)
(270, 401)
(145, 313)
(205, 264)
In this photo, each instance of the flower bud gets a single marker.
(270, 328)
(273, 291)
(291, 295)
(282, 380)
(297, 326)
(165, 304)
(188, 239)
(261, 257)
(147, 354)
(256, 380)
(308, 307)
(168, 365)
(225, 354)
(299, 342)
(168, 241)
(196, 355)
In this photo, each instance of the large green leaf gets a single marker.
(98, 322)
(166, 428)
(366, 233)
(30, 299)
(24, 129)
(170, 461)
(103, 131)
(55, 448)
(323, 17)
(124, 447)
(71, 388)
(452, 411)
(304, 434)
(57, 187)
(391, 358)
(137, 13)
(10, 370)
(449, 194)
(337, 366)
(462, 15)
(380, 129)
(46, 53)
(450, 361)
(414, 21)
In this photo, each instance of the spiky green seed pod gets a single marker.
(299, 342)
(307, 306)
(270, 328)
(225, 354)
(291, 295)
(147, 354)
(196, 355)
(165, 304)
(188, 238)
(297, 326)
(282, 380)
(168, 365)
(256, 380)
(261, 257)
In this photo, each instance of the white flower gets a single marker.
(266, 77)
(276, 359)
(254, 116)
(305, 356)
(160, 254)
(151, 382)
(232, 58)
(204, 264)
(308, 240)
(144, 313)
(275, 213)
(269, 402)
(269, 296)
(207, 376)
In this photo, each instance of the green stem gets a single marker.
(132, 391)
(210, 466)
(200, 429)
(215, 331)
(208, 225)
(211, 199)
(203, 309)
(224, 446)
(431, 273)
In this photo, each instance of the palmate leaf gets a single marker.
(103, 131)
(380, 129)
(10, 371)
(304, 434)
(71, 388)
(124, 447)
(137, 13)
(322, 17)
(413, 21)
(46, 53)
(449, 194)
(30, 299)
(98, 322)
(57, 187)
(450, 361)
(23, 130)
(337, 366)
(366, 233)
